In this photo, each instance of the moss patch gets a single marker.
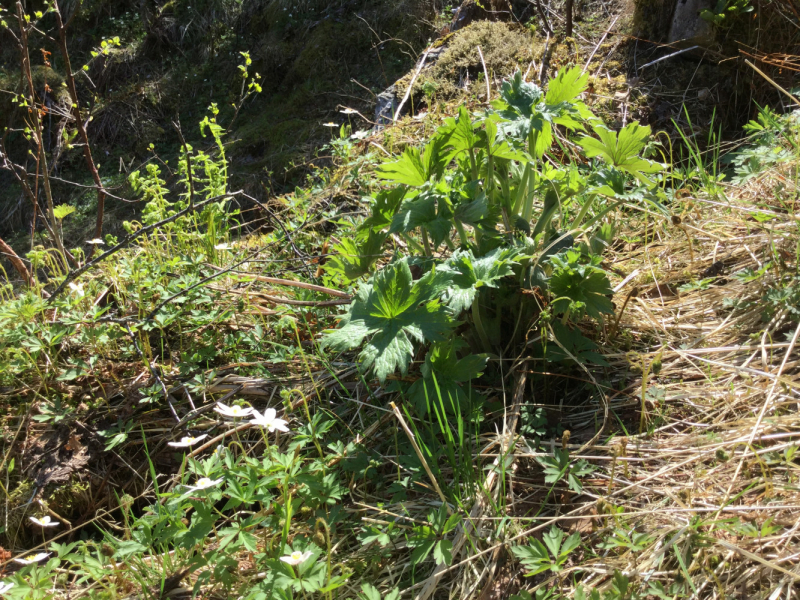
(505, 47)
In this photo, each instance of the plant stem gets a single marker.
(76, 111)
(414, 244)
(473, 164)
(462, 234)
(426, 242)
(478, 320)
(522, 189)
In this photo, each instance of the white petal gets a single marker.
(270, 413)
(280, 425)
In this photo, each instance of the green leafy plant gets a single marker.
(463, 206)
(559, 466)
(725, 10)
(548, 556)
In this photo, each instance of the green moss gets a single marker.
(652, 19)
(42, 75)
(505, 47)
(279, 133)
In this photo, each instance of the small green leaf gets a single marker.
(534, 558)
(62, 211)
(443, 552)
(369, 592)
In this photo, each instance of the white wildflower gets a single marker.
(269, 420)
(204, 483)
(76, 288)
(235, 411)
(296, 557)
(32, 558)
(45, 521)
(187, 441)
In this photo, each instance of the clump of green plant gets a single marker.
(724, 11)
(482, 216)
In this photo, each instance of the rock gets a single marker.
(388, 100)
(386, 105)
(687, 27)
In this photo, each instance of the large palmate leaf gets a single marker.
(579, 287)
(459, 133)
(392, 311)
(528, 116)
(622, 150)
(567, 86)
(577, 346)
(472, 212)
(384, 207)
(496, 146)
(519, 95)
(461, 276)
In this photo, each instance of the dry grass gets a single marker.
(719, 436)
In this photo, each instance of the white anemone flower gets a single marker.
(32, 558)
(187, 441)
(234, 411)
(204, 483)
(4, 587)
(45, 521)
(296, 557)
(348, 111)
(222, 247)
(269, 420)
(95, 242)
(76, 288)
(329, 124)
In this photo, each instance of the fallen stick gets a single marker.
(290, 283)
(602, 39)
(658, 60)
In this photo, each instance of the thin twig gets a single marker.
(486, 76)
(411, 85)
(600, 43)
(421, 457)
